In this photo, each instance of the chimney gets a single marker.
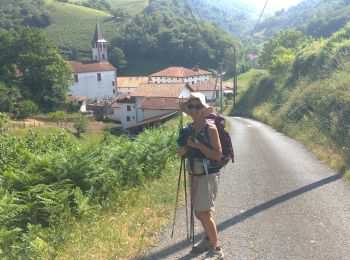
(196, 67)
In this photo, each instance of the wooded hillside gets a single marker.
(317, 18)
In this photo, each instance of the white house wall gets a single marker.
(125, 90)
(117, 114)
(190, 80)
(208, 94)
(125, 114)
(89, 86)
(139, 112)
(148, 113)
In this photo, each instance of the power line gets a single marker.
(256, 26)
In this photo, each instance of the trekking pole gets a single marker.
(185, 187)
(177, 196)
(192, 213)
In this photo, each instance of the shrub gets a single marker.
(4, 119)
(58, 116)
(81, 125)
(46, 181)
(27, 108)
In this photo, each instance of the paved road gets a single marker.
(276, 202)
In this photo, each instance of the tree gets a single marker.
(10, 99)
(117, 58)
(47, 77)
(81, 125)
(290, 40)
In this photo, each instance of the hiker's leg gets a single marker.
(208, 223)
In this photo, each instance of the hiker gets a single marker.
(203, 146)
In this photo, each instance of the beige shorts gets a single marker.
(204, 190)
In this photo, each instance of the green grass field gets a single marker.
(86, 138)
(244, 79)
(73, 26)
(131, 6)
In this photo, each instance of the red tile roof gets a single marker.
(76, 98)
(160, 103)
(125, 98)
(160, 90)
(206, 85)
(90, 66)
(180, 72)
(131, 82)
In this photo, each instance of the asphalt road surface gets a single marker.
(277, 201)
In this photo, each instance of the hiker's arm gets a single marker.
(213, 153)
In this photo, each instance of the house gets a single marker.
(208, 88)
(180, 75)
(94, 78)
(150, 101)
(80, 100)
(154, 90)
(129, 84)
(120, 112)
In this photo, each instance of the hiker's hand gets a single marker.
(182, 151)
(193, 142)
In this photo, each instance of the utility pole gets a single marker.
(221, 105)
(234, 76)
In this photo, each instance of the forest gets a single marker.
(14, 13)
(33, 76)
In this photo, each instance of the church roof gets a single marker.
(98, 35)
(90, 66)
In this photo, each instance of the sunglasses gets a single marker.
(192, 106)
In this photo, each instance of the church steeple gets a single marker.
(99, 46)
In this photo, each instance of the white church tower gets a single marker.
(99, 46)
(95, 79)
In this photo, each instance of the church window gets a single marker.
(103, 56)
(113, 91)
(128, 108)
(113, 83)
(76, 79)
(99, 76)
(128, 118)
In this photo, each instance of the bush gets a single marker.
(58, 116)
(81, 125)
(4, 119)
(27, 108)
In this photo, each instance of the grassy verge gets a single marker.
(128, 227)
(311, 112)
(244, 82)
